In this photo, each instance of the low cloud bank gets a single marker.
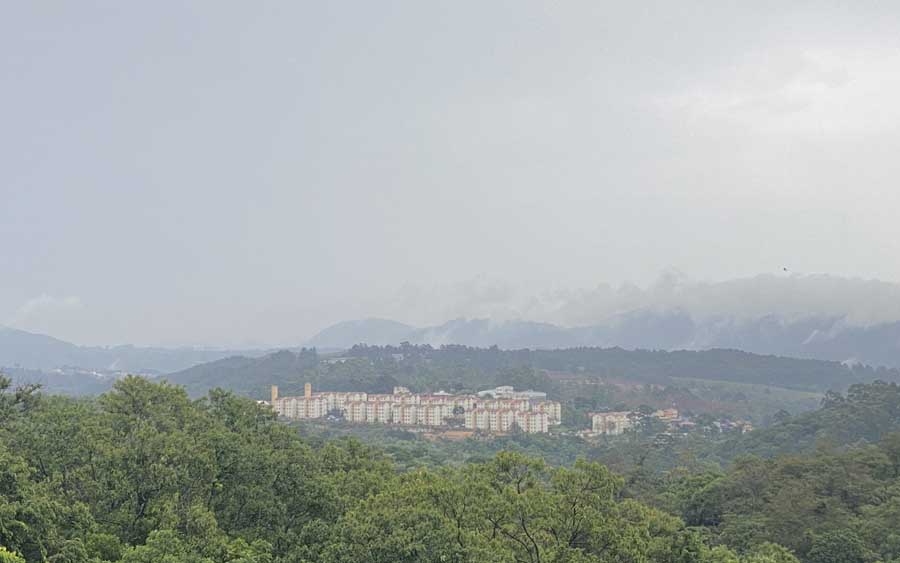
(857, 302)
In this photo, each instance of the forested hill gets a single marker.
(719, 364)
(378, 368)
(864, 415)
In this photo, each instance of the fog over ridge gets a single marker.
(858, 302)
(804, 316)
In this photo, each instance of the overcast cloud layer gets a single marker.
(239, 173)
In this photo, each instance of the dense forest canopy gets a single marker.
(652, 365)
(145, 474)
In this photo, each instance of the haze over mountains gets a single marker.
(23, 349)
(790, 296)
(805, 316)
(812, 316)
(817, 338)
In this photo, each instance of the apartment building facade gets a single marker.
(431, 410)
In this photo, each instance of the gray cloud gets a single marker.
(45, 304)
(239, 173)
(48, 313)
(790, 297)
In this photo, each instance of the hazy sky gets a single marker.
(247, 172)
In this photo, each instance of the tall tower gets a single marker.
(307, 390)
(274, 394)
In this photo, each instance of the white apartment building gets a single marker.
(616, 423)
(407, 399)
(552, 409)
(611, 423)
(477, 419)
(371, 411)
(307, 406)
(533, 422)
(503, 420)
(355, 411)
(338, 400)
(383, 413)
(432, 415)
(377, 411)
(407, 415)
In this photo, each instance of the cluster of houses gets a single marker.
(499, 410)
(617, 423)
(495, 410)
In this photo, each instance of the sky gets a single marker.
(246, 173)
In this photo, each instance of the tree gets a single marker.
(163, 546)
(839, 546)
(9, 556)
(770, 553)
(13, 401)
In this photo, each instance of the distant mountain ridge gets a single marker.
(802, 316)
(374, 331)
(825, 338)
(19, 348)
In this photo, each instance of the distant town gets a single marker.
(500, 410)
(495, 410)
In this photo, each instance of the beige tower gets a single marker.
(274, 394)
(307, 390)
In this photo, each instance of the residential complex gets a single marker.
(528, 410)
(617, 423)
(499, 410)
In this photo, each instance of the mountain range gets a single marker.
(813, 316)
(826, 338)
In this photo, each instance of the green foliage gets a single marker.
(9, 556)
(866, 414)
(833, 506)
(145, 474)
(839, 546)
(15, 401)
(511, 508)
(770, 553)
